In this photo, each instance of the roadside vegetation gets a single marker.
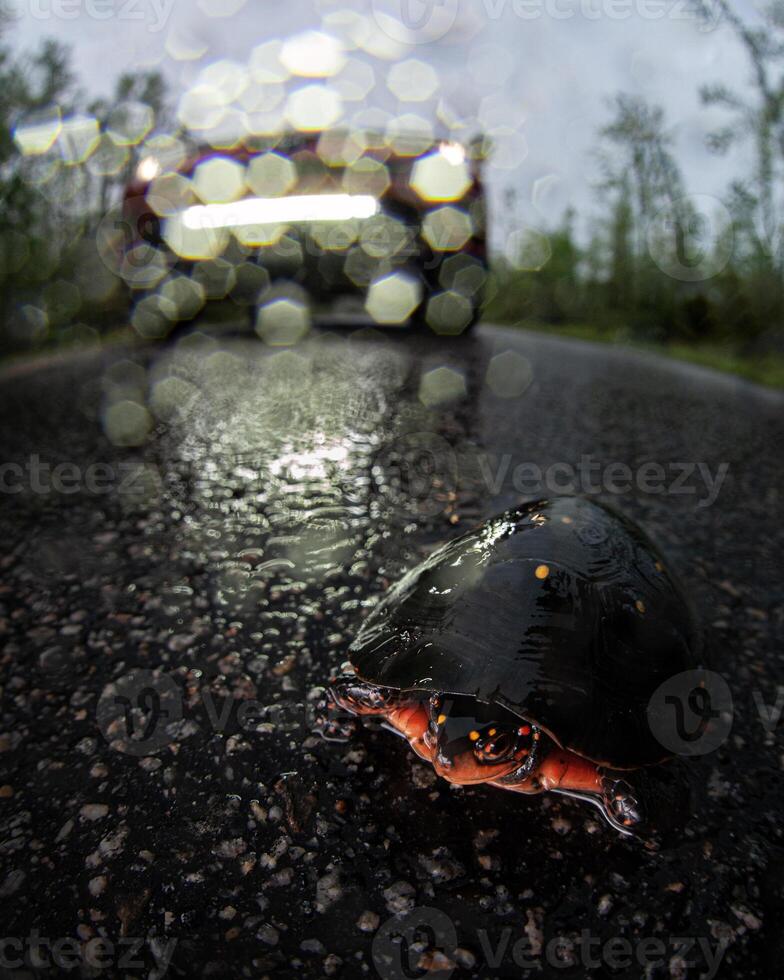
(698, 278)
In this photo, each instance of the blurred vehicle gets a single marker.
(282, 225)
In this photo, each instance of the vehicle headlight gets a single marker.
(454, 153)
(148, 169)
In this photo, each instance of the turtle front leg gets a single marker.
(404, 714)
(561, 771)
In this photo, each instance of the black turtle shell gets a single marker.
(560, 610)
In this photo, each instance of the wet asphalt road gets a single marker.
(227, 516)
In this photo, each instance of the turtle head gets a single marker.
(472, 741)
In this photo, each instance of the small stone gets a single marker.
(441, 866)
(328, 891)
(12, 883)
(93, 811)
(434, 961)
(180, 641)
(748, 919)
(332, 964)
(368, 921)
(231, 848)
(64, 831)
(533, 930)
(268, 934)
(97, 885)
(400, 897)
(285, 665)
(423, 777)
(465, 958)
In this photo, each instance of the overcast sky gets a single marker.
(540, 69)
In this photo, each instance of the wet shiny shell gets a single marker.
(560, 610)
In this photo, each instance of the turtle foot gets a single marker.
(334, 721)
(621, 804)
(335, 727)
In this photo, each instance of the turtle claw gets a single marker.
(624, 810)
(332, 720)
(335, 729)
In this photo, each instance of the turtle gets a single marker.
(524, 654)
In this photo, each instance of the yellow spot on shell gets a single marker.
(492, 731)
(542, 571)
(659, 567)
(640, 606)
(473, 736)
(441, 719)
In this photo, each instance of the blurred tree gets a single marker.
(49, 201)
(143, 88)
(756, 203)
(638, 164)
(28, 83)
(621, 280)
(761, 118)
(642, 186)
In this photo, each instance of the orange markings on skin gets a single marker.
(560, 769)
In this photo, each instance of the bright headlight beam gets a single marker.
(454, 153)
(148, 169)
(281, 210)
